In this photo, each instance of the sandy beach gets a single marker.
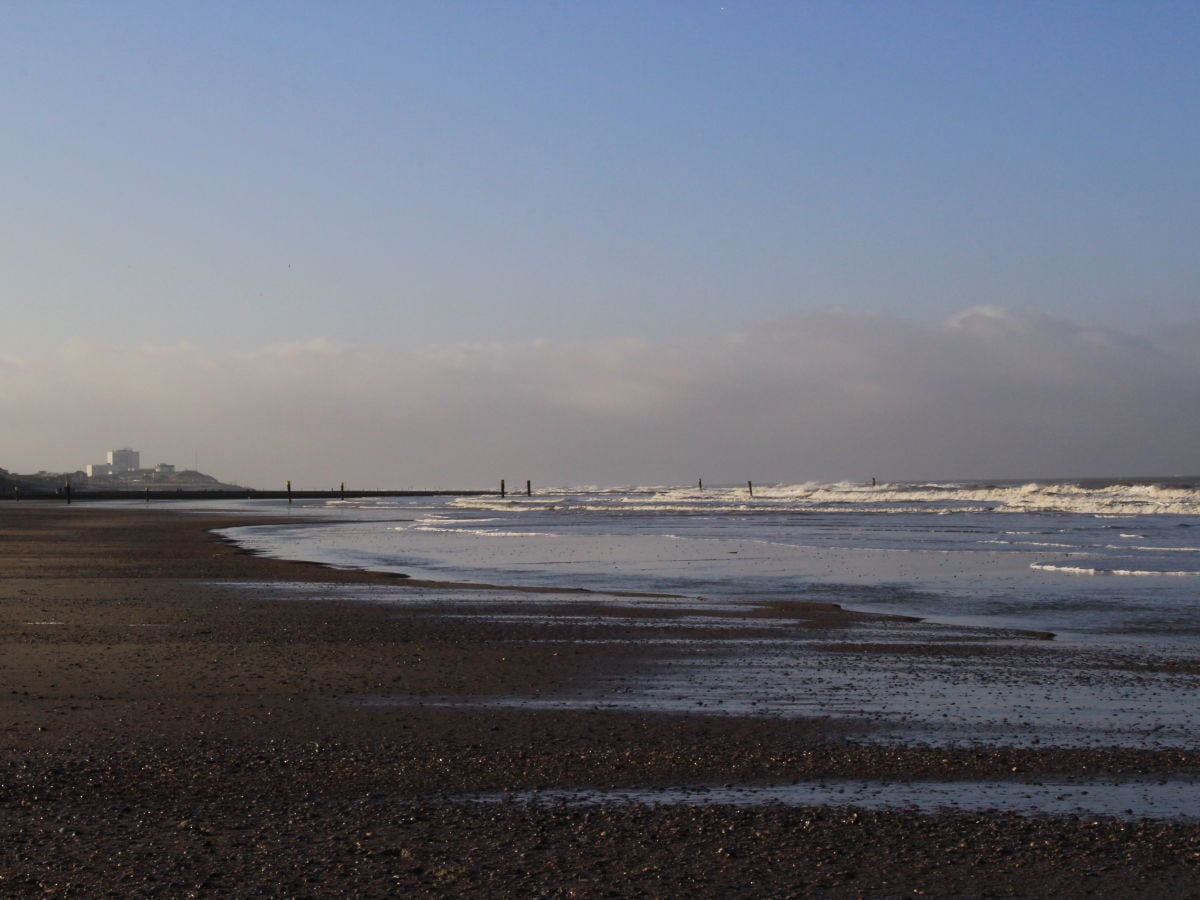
(180, 718)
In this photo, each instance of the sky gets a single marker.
(434, 245)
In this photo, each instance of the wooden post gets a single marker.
(700, 484)
(147, 495)
(343, 490)
(750, 486)
(528, 488)
(503, 493)
(68, 486)
(289, 490)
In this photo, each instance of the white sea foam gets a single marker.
(1173, 573)
(1066, 570)
(1044, 545)
(1088, 570)
(1152, 549)
(983, 554)
(495, 533)
(1122, 499)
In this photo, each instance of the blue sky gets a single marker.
(399, 178)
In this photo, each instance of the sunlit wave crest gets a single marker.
(1115, 499)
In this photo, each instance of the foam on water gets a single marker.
(1098, 565)
(1135, 573)
(1078, 573)
(1121, 498)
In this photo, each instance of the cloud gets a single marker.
(822, 396)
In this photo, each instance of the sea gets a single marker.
(1060, 613)
(1094, 560)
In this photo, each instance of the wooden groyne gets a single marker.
(159, 494)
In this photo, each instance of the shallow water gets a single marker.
(1044, 558)
(1111, 562)
(914, 682)
(1173, 799)
(1112, 570)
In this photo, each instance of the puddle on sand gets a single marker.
(476, 601)
(1052, 697)
(964, 686)
(1173, 799)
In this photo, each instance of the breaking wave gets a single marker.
(1089, 570)
(1118, 498)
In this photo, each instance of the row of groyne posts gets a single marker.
(699, 486)
(66, 491)
(341, 491)
(528, 488)
(504, 492)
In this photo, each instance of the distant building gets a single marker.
(123, 471)
(122, 464)
(124, 460)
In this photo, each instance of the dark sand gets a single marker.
(174, 735)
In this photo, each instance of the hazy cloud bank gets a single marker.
(822, 396)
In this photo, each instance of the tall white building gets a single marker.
(124, 460)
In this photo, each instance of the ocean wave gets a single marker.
(1088, 570)
(1103, 500)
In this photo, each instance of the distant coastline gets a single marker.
(54, 484)
(23, 489)
(194, 485)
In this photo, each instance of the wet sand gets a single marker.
(169, 728)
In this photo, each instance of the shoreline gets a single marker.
(178, 732)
